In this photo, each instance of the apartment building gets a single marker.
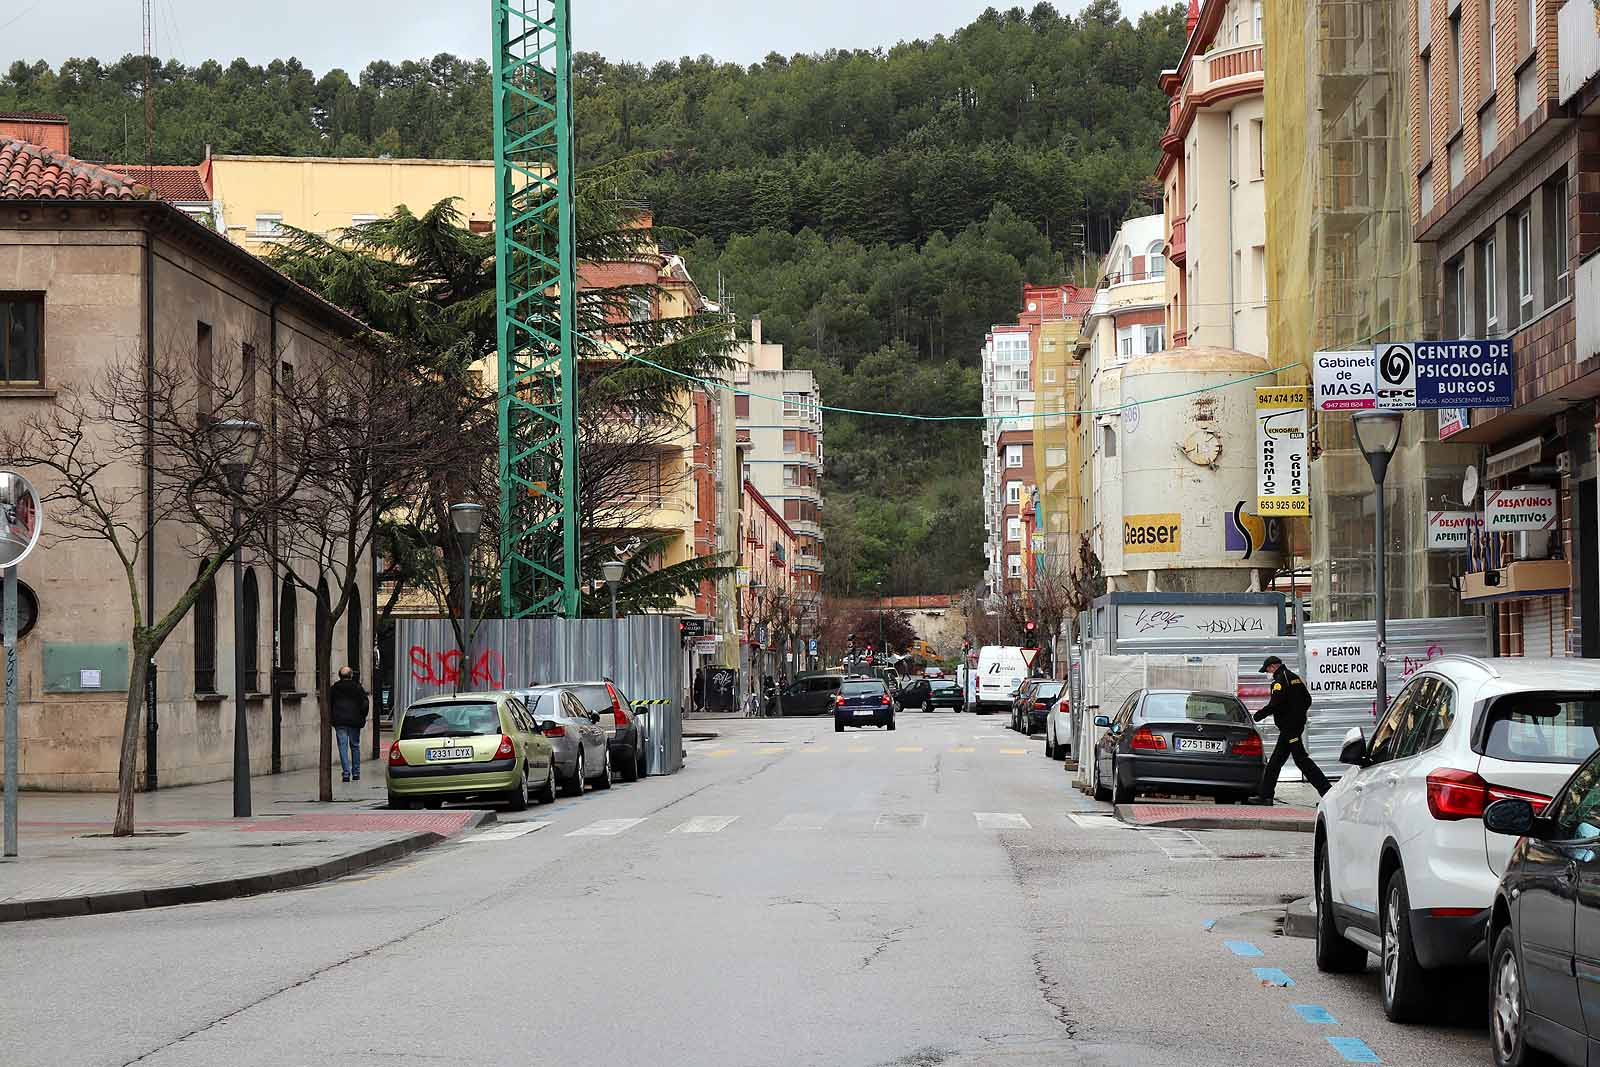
(1212, 172)
(1009, 474)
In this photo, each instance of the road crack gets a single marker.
(1050, 990)
(888, 939)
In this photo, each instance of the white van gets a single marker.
(1001, 670)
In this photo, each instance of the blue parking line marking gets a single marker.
(1208, 924)
(1272, 976)
(1316, 1014)
(1354, 1050)
(1243, 948)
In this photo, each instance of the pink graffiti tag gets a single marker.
(442, 669)
(1410, 666)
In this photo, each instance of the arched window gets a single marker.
(324, 626)
(252, 633)
(205, 636)
(288, 639)
(1156, 261)
(352, 632)
(1127, 264)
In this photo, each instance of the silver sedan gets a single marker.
(576, 734)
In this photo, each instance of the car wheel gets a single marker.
(1101, 793)
(433, 803)
(927, 708)
(517, 799)
(1403, 977)
(604, 780)
(398, 803)
(546, 794)
(1049, 745)
(1507, 1005)
(631, 766)
(1120, 794)
(574, 785)
(891, 722)
(1335, 955)
(838, 727)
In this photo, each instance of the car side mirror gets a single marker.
(594, 716)
(1354, 749)
(1103, 720)
(1511, 816)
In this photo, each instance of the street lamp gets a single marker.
(467, 520)
(237, 441)
(612, 569)
(1378, 434)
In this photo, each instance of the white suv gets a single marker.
(1404, 867)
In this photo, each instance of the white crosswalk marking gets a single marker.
(704, 824)
(804, 820)
(1179, 844)
(605, 828)
(891, 820)
(1094, 820)
(1001, 820)
(505, 830)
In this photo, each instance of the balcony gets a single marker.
(805, 527)
(1578, 47)
(808, 564)
(1224, 65)
(1178, 241)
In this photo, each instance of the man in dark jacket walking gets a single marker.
(1288, 706)
(347, 705)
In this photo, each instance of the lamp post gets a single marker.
(238, 440)
(467, 519)
(1378, 434)
(612, 569)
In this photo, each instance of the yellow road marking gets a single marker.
(963, 748)
(1013, 752)
(815, 748)
(858, 748)
(722, 752)
(909, 748)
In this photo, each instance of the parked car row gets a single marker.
(1033, 702)
(1464, 833)
(514, 746)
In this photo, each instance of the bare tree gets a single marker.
(161, 419)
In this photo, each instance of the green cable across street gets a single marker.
(712, 383)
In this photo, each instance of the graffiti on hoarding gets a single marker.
(1410, 665)
(444, 668)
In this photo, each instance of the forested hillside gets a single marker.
(878, 209)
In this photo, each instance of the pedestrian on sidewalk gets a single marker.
(347, 705)
(1288, 705)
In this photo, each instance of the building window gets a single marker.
(1156, 261)
(1154, 341)
(791, 441)
(204, 370)
(741, 406)
(1425, 191)
(1425, 94)
(21, 338)
(1527, 94)
(1558, 253)
(1014, 566)
(324, 624)
(1013, 492)
(791, 475)
(1424, 24)
(1258, 159)
(1125, 342)
(1491, 291)
(358, 221)
(638, 305)
(1487, 129)
(1458, 293)
(1524, 232)
(288, 636)
(249, 370)
(269, 225)
(1049, 376)
(1055, 457)
(1257, 14)
(251, 652)
(794, 405)
(1014, 456)
(1458, 161)
(352, 633)
(1525, 27)
(205, 636)
(1013, 529)
(1490, 49)
(1458, 110)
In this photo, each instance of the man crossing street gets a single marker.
(1288, 706)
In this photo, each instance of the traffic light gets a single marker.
(1032, 630)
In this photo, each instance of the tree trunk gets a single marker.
(323, 679)
(128, 758)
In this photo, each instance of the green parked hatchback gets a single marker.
(469, 745)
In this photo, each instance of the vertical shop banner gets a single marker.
(1342, 381)
(1282, 462)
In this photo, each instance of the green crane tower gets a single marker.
(536, 272)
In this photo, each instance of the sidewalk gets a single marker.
(1296, 810)
(188, 847)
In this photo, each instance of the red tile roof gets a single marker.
(176, 184)
(28, 172)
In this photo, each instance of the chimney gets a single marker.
(755, 331)
(1194, 16)
(46, 131)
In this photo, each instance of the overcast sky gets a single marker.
(350, 33)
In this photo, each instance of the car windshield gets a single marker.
(1047, 691)
(594, 697)
(545, 705)
(450, 720)
(1544, 727)
(1196, 707)
(942, 686)
(862, 689)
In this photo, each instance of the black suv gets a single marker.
(863, 702)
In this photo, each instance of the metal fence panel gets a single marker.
(643, 655)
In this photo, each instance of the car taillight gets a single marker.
(506, 749)
(1248, 746)
(1456, 794)
(555, 731)
(1041, 703)
(617, 710)
(884, 699)
(1143, 737)
(396, 757)
(839, 700)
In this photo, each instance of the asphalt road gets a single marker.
(936, 895)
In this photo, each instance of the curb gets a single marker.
(1218, 822)
(229, 888)
(1300, 918)
(701, 736)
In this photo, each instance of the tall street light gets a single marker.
(467, 520)
(237, 440)
(612, 569)
(1378, 434)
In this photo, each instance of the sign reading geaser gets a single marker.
(1516, 510)
(1282, 466)
(1152, 533)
